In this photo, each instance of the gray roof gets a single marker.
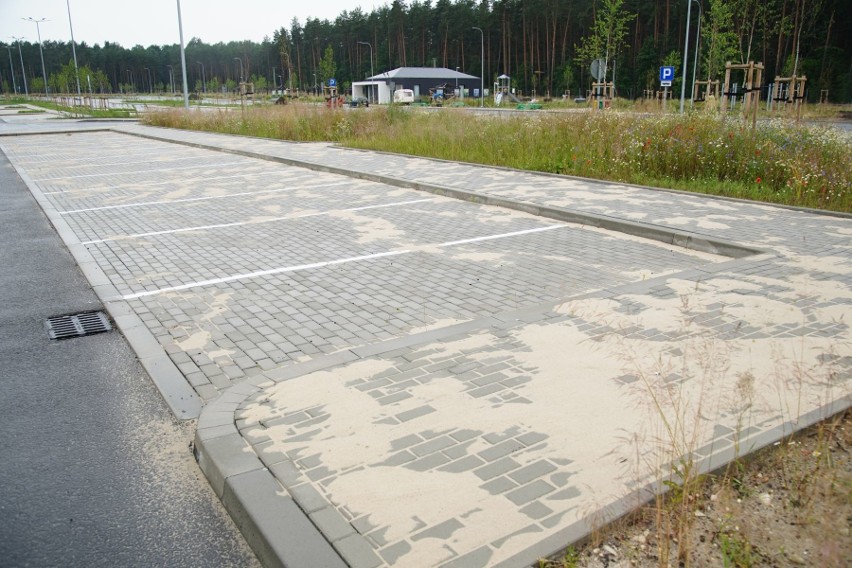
(422, 73)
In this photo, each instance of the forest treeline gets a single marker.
(543, 45)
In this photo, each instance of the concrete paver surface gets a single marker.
(435, 382)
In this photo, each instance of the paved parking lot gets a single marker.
(431, 381)
(239, 265)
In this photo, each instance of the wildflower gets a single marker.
(758, 179)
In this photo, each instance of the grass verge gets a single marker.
(84, 111)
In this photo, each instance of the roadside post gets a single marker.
(666, 77)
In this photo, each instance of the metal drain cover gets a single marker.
(77, 325)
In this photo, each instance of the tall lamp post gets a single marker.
(23, 72)
(371, 59)
(12, 69)
(482, 70)
(183, 61)
(685, 54)
(73, 49)
(697, 49)
(38, 31)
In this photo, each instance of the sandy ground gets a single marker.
(790, 505)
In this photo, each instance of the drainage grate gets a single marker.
(77, 325)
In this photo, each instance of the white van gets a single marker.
(403, 96)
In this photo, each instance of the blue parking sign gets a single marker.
(332, 82)
(666, 76)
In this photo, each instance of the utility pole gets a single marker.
(73, 49)
(38, 31)
(183, 61)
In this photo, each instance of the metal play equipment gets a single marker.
(503, 90)
(750, 93)
(332, 98)
(602, 94)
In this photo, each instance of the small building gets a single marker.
(379, 88)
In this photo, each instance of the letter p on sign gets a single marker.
(666, 76)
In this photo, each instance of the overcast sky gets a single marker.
(155, 22)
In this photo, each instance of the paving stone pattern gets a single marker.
(156, 216)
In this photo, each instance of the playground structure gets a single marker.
(332, 98)
(440, 94)
(791, 91)
(753, 77)
(503, 90)
(601, 94)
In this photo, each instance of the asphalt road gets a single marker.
(94, 470)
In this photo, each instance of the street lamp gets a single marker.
(685, 54)
(203, 85)
(23, 72)
(371, 59)
(697, 49)
(38, 31)
(73, 49)
(183, 60)
(482, 71)
(12, 69)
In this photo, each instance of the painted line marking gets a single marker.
(264, 273)
(502, 235)
(142, 185)
(300, 267)
(243, 223)
(193, 199)
(143, 171)
(93, 161)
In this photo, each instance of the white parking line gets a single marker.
(143, 171)
(501, 236)
(242, 223)
(191, 199)
(264, 273)
(299, 267)
(138, 185)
